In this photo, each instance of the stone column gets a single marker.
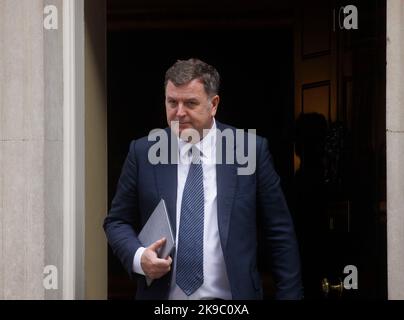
(31, 145)
(395, 147)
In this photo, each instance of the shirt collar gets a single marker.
(207, 146)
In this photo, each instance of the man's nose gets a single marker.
(180, 110)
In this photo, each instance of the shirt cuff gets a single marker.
(137, 267)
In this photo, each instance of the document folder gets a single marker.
(158, 226)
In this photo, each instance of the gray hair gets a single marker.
(184, 71)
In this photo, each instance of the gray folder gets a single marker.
(158, 226)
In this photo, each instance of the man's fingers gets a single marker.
(158, 244)
(153, 266)
(169, 260)
(161, 263)
(158, 268)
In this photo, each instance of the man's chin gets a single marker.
(185, 131)
(184, 126)
(189, 134)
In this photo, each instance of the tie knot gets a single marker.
(195, 155)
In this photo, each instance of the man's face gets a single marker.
(190, 106)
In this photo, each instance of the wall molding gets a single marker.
(73, 150)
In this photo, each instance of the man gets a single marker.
(212, 207)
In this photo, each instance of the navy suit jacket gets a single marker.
(239, 198)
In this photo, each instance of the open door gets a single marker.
(340, 163)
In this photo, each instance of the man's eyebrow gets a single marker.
(192, 99)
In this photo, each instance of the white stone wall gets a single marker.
(30, 149)
(395, 147)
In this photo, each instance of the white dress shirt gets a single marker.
(216, 283)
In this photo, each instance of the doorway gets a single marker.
(254, 48)
(256, 67)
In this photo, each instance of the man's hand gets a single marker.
(152, 265)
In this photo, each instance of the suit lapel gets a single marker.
(226, 179)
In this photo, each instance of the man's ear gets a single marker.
(214, 104)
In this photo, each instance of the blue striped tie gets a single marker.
(189, 274)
